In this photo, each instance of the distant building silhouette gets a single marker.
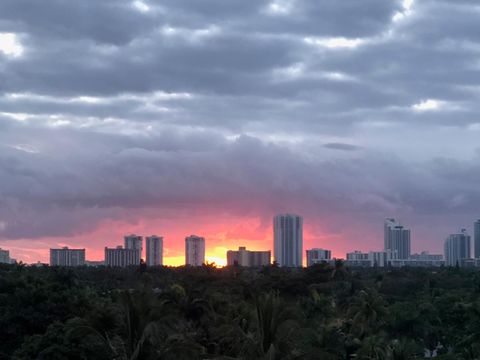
(194, 250)
(248, 258)
(396, 239)
(5, 256)
(457, 249)
(370, 259)
(476, 239)
(67, 257)
(121, 257)
(315, 256)
(134, 242)
(288, 240)
(154, 250)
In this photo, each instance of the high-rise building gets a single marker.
(154, 246)
(315, 256)
(67, 257)
(121, 257)
(5, 256)
(370, 259)
(248, 258)
(396, 239)
(288, 240)
(194, 250)
(457, 248)
(476, 239)
(134, 242)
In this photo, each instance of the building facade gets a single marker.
(396, 239)
(247, 258)
(121, 257)
(194, 250)
(67, 257)
(457, 249)
(134, 242)
(5, 256)
(370, 259)
(315, 256)
(154, 250)
(476, 239)
(288, 240)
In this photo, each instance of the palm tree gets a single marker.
(366, 312)
(275, 324)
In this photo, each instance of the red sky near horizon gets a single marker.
(256, 233)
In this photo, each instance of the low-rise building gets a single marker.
(248, 258)
(316, 255)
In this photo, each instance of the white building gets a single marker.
(248, 258)
(457, 248)
(67, 257)
(5, 257)
(120, 257)
(316, 255)
(154, 246)
(194, 250)
(370, 259)
(288, 240)
(134, 242)
(396, 238)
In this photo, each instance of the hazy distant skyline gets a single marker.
(176, 117)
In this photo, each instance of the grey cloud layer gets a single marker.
(332, 107)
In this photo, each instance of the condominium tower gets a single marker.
(457, 248)
(288, 240)
(476, 239)
(194, 250)
(396, 239)
(315, 256)
(67, 257)
(154, 246)
(134, 242)
(121, 257)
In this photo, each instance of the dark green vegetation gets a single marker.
(321, 312)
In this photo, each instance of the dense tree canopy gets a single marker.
(321, 312)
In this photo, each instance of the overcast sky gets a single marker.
(210, 116)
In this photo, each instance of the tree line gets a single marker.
(321, 312)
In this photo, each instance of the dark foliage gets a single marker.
(322, 312)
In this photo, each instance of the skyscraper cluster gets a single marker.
(287, 250)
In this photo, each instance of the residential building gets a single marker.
(121, 257)
(370, 259)
(194, 250)
(248, 258)
(288, 240)
(316, 255)
(134, 242)
(476, 239)
(457, 248)
(154, 253)
(396, 238)
(67, 257)
(5, 256)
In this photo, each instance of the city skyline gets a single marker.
(283, 229)
(176, 118)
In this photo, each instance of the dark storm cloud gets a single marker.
(364, 108)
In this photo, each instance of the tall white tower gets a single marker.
(396, 239)
(154, 246)
(194, 250)
(134, 242)
(288, 240)
(457, 248)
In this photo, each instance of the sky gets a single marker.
(208, 117)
